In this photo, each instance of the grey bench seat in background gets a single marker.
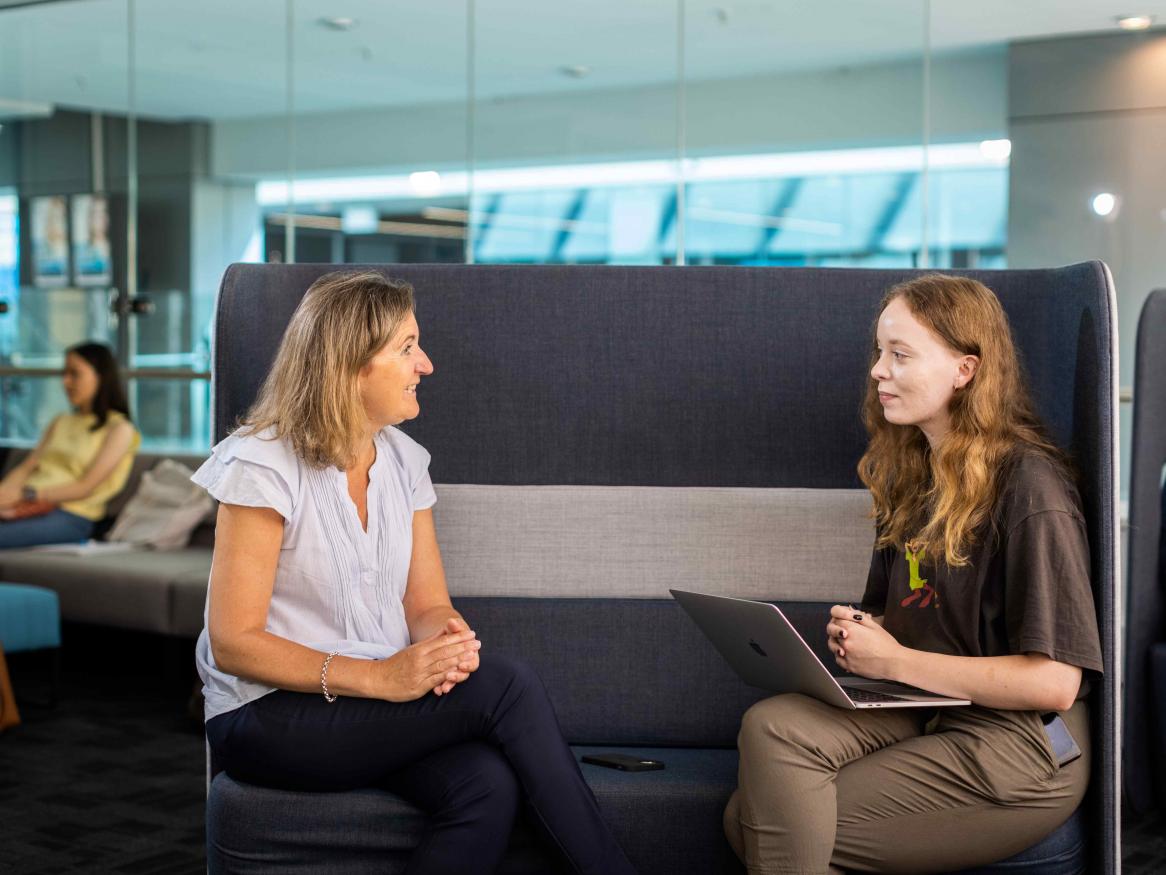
(602, 433)
(160, 591)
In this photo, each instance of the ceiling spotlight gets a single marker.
(1104, 204)
(337, 23)
(575, 71)
(996, 150)
(1134, 22)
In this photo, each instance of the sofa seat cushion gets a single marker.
(188, 602)
(129, 590)
(1062, 852)
(668, 822)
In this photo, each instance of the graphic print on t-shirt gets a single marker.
(921, 591)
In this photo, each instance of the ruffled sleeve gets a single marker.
(252, 470)
(414, 460)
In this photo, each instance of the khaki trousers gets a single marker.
(822, 789)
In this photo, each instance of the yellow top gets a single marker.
(70, 451)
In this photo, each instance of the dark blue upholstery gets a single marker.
(1144, 752)
(382, 828)
(666, 377)
(1063, 852)
(669, 821)
(377, 830)
(1156, 722)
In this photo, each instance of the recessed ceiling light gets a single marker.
(337, 23)
(1104, 204)
(575, 71)
(1134, 22)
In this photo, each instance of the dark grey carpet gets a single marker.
(112, 780)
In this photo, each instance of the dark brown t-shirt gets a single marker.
(1025, 588)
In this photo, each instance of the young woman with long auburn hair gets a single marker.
(978, 589)
(332, 657)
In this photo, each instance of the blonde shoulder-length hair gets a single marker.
(937, 502)
(311, 397)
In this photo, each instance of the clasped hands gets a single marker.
(435, 664)
(860, 645)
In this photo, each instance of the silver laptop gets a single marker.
(766, 650)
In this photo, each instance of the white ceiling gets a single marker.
(218, 59)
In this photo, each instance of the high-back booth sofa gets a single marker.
(1144, 752)
(601, 434)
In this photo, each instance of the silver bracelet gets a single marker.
(328, 697)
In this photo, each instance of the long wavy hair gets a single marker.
(311, 395)
(111, 393)
(939, 501)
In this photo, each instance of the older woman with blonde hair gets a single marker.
(332, 657)
(978, 589)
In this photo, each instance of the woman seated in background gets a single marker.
(978, 589)
(332, 657)
(60, 489)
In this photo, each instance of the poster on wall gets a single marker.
(92, 253)
(50, 241)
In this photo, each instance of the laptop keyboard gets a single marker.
(860, 695)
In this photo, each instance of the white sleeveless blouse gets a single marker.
(337, 586)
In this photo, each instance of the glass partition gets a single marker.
(805, 133)
(172, 413)
(575, 132)
(378, 140)
(28, 403)
(63, 190)
(62, 177)
(144, 146)
(197, 68)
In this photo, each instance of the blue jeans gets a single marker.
(469, 758)
(56, 527)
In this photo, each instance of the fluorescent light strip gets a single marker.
(515, 220)
(894, 159)
(406, 229)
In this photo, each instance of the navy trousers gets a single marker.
(469, 758)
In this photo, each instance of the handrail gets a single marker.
(131, 374)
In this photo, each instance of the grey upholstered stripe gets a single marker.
(637, 542)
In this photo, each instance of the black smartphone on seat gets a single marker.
(623, 762)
